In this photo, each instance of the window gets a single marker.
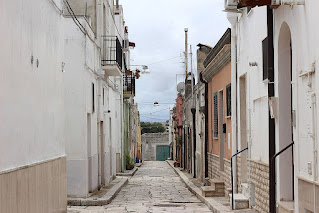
(215, 115)
(265, 58)
(93, 104)
(228, 100)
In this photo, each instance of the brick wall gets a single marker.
(259, 176)
(214, 170)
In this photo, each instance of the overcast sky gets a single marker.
(157, 28)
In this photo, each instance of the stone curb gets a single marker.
(212, 204)
(130, 173)
(106, 199)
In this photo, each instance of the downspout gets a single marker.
(194, 139)
(206, 123)
(271, 123)
(232, 18)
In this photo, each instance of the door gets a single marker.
(162, 153)
(102, 153)
(88, 133)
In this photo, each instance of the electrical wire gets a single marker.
(155, 111)
(163, 60)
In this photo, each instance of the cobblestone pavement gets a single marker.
(154, 188)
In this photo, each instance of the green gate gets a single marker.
(162, 153)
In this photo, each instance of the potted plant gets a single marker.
(176, 163)
(129, 162)
(179, 140)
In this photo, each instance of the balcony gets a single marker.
(129, 85)
(112, 56)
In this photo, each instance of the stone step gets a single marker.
(245, 189)
(240, 201)
(286, 207)
(228, 191)
(219, 184)
(210, 191)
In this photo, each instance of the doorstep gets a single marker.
(128, 172)
(102, 197)
(215, 204)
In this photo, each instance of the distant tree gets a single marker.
(152, 127)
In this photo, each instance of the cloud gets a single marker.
(157, 28)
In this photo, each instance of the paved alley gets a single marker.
(154, 188)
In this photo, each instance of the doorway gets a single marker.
(162, 152)
(111, 147)
(220, 125)
(88, 133)
(243, 128)
(102, 153)
(286, 114)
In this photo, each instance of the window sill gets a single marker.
(227, 117)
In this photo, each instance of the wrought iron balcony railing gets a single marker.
(129, 85)
(112, 51)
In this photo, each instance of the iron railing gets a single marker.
(129, 84)
(232, 177)
(112, 51)
(273, 169)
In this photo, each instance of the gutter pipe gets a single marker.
(206, 122)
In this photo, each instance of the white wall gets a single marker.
(81, 61)
(31, 97)
(302, 22)
(252, 30)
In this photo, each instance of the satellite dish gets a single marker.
(181, 87)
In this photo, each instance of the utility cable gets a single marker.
(164, 60)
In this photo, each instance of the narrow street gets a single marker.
(154, 188)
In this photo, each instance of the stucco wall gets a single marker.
(149, 143)
(32, 154)
(32, 104)
(219, 82)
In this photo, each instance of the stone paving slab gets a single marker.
(127, 173)
(100, 200)
(155, 188)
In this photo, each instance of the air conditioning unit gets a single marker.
(231, 4)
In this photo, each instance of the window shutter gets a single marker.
(265, 58)
(228, 99)
(215, 115)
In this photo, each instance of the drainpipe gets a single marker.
(232, 18)
(206, 122)
(271, 123)
(193, 110)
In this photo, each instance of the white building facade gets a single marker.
(94, 94)
(32, 134)
(274, 104)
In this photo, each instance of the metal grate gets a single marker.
(112, 51)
